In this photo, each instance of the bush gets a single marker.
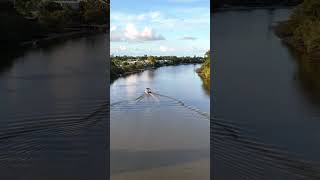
(304, 25)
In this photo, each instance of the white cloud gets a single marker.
(166, 49)
(141, 17)
(122, 48)
(113, 28)
(155, 14)
(131, 33)
(126, 18)
(115, 36)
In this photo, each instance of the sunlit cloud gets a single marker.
(131, 33)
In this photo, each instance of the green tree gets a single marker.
(55, 16)
(304, 26)
(204, 70)
(152, 60)
(95, 11)
(26, 7)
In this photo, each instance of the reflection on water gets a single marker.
(163, 135)
(54, 111)
(181, 82)
(267, 96)
(308, 74)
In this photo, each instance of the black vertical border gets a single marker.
(212, 90)
(108, 61)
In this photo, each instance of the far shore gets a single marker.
(144, 69)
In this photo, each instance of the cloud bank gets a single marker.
(132, 33)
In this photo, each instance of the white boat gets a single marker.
(147, 91)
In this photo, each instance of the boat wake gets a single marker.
(238, 152)
(235, 151)
(69, 134)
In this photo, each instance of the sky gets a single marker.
(160, 27)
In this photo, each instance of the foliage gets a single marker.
(128, 64)
(152, 60)
(26, 7)
(15, 29)
(54, 16)
(304, 26)
(204, 70)
(94, 12)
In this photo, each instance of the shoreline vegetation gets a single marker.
(35, 22)
(126, 65)
(225, 5)
(204, 71)
(302, 31)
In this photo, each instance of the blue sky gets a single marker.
(160, 27)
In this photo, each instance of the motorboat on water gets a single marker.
(147, 91)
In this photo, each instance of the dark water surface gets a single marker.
(164, 135)
(53, 112)
(266, 105)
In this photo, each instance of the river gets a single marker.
(53, 112)
(266, 111)
(164, 135)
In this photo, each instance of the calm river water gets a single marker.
(267, 107)
(53, 112)
(164, 135)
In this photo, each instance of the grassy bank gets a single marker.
(204, 71)
(302, 30)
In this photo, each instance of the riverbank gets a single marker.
(117, 74)
(23, 26)
(204, 71)
(125, 65)
(289, 40)
(55, 37)
(287, 37)
(302, 30)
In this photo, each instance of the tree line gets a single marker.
(33, 19)
(121, 65)
(54, 15)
